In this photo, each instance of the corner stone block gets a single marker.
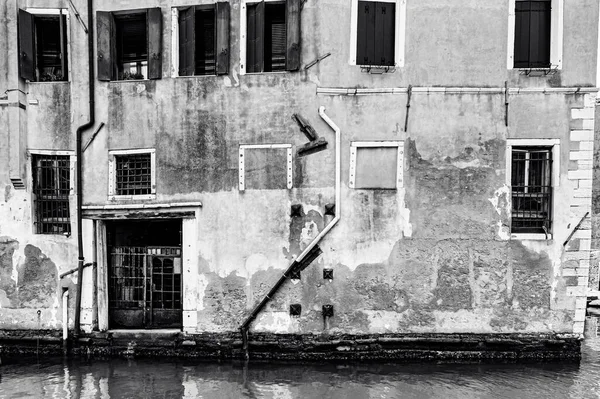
(576, 291)
(589, 100)
(582, 113)
(578, 327)
(587, 124)
(581, 155)
(190, 321)
(579, 315)
(581, 135)
(579, 174)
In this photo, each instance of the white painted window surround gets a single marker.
(242, 161)
(112, 166)
(355, 145)
(555, 144)
(400, 39)
(556, 34)
(57, 11)
(72, 163)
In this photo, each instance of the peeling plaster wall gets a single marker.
(432, 256)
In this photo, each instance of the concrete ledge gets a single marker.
(470, 347)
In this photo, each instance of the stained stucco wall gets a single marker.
(432, 256)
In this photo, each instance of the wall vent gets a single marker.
(17, 183)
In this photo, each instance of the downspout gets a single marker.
(79, 180)
(338, 186)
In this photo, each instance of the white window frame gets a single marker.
(355, 145)
(244, 34)
(112, 171)
(72, 180)
(57, 11)
(556, 35)
(400, 38)
(242, 162)
(555, 144)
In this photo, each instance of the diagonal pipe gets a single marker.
(312, 247)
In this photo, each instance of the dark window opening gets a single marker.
(145, 273)
(532, 34)
(205, 42)
(132, 46)
(133, 174)
(273, 36)
(376, 33)
(531, 190)
(43, 47)
(51, 189)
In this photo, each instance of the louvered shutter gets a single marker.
(187, 44)
(293, 35)
(254, 38)
(385, 32)
(26, 49)
(222, 49)
(105, 30)
(539, 22)
(154, 19)
(365, 33)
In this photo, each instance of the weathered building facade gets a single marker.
(452, 197)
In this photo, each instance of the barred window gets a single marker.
(531, 190)
(51, 189)
(133, 174)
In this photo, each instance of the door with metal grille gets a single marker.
(145, 287)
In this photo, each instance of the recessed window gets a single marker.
(129, 44)
(51, 189)
(531, 187)
(377, 37)
(43, 46)
(532, 34)
(132, 174)
(272, 36)
(204, 40)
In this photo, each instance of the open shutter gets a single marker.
(26, 50)
(539, 22)
(293, 35)
(187, 42)
(365, 33)
(222, 49)
(105, 29)
(154, 19)
(385, 33)
(255, 38)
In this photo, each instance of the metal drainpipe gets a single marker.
(79, 179)
(338, 212)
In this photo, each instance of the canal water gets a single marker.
(140, 378)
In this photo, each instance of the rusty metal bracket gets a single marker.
(92, 137)
(506, 103)
(319, 59)
(575, 229)
(78, 16)
(407, 107)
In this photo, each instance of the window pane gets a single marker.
(205, 42)
(133, 174)
(50, 43)
(132, 46)
(275, 37)
(51, 188)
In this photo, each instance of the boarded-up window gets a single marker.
(129, 45)
(273, 36)
(51, 189)
(532, 34)
(265, 166)
(43, 47)
(376, 165)
(204, 40)
(376, 31)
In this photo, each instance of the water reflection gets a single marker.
(120, 378)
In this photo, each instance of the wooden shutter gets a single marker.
(105, 30)
(365, 33)
(255, 38)
(539, 24)
(293, 35)
(222, 49)
(187, 41)
(385, 34)
(154, 19)
(26, 50)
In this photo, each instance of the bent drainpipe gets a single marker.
(338, 187)
(79, 183)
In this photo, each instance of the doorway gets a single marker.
(144, 273)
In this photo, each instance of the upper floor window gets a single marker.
(129, 44)
(203, 40)
(272, 36)
(377, 36)
(535, 34)
(43, 46)
(51, 190)
(132, 174)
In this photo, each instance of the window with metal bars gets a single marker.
(532, 33)
(51, 189)
(133, 174)
(531, 183)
